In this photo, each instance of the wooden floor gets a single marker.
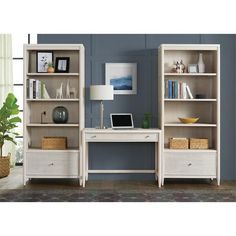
(15, 181)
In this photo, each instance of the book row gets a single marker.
(177, 89)
(36, 89)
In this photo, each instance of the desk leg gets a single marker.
(87, 161)
(156, 162)
(83, 159)
(159, 162)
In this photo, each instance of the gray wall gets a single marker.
(143, 50)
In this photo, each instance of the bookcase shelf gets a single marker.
(52, 125)
(189, 125)
(53, 74)
(190, 100)
(54, 100)
(38, 110)
(190, 163)
(191, 74)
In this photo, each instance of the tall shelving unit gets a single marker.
(38, 162)
(190, 163)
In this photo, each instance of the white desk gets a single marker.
(109, 135)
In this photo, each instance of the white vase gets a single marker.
(201, 65)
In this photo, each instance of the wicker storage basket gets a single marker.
(179, 143)
(4, 166)
(54, 143)
(198, 143)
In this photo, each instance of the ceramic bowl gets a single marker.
(189, 120)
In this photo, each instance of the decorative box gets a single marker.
(179, 143)
(198, 143)
(54, 143)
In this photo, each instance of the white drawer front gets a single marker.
(52, 164)
(122, 137)
(190, 164)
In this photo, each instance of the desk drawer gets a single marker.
(122, 137)
(190, 164)
(52, 164)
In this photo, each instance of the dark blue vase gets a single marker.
(60, 115)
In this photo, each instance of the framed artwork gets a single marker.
(123, 77)
(62, 64)
(43, 58)
(192, 68)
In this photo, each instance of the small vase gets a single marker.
(50, 70)
(201, 65)
(146, 121)
(60, 115)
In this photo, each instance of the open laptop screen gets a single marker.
(121, 120)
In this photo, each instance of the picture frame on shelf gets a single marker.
(62, 65)
(192, 68)
(43, 58)
(123, 77)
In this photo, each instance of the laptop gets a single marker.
(121, 121)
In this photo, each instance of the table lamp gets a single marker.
(101, 93)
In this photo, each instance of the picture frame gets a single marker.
(123, 77)
(43, 58)
(62, 65)
(192, 68)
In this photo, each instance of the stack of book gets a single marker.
(177, 89)
(36, 89)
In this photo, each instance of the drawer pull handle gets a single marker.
(147, 136)
(51, 164)
(189, 164)
(94, 136)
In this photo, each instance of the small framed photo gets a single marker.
(43, 58)
(192, 68)
(123, 77)
(62, 64)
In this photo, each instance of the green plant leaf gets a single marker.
(15, 119)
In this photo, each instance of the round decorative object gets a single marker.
(51, 70)
(60, 115)
(189, 120)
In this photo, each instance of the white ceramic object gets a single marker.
(201, 65)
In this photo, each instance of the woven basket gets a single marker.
(178, 143)
(4, 166)
(198, 143)
(54, 143)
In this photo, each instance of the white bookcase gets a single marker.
(190, 163)
(38, 162)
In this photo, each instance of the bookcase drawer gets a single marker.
(52, 164)
(119, 137)
(190, 164)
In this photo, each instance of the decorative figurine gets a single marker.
(59, 93)
(70, 92)
(182, 67)
(178, 67)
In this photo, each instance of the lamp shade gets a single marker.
(101, 92)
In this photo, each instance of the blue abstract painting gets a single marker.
(122, 83)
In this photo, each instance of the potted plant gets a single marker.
(8, 121)
(50, 68)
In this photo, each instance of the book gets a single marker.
(45, 92)
(31, 88)
(184, 91)
(166, 89)
(169, 89)
(176, 86)
(189, 92)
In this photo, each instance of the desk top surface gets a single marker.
(109, 130)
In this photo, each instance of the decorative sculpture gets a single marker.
(70, 92)
(59, 93)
